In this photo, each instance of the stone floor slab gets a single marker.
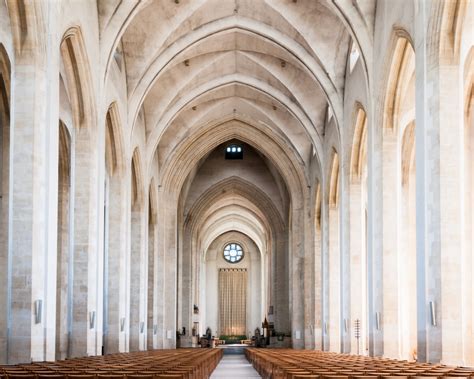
(234, 366)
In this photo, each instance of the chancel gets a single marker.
(191, 186)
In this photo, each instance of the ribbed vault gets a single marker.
(265, 59)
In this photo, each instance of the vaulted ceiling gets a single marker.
(277, 64)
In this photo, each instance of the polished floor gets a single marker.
(234, 366)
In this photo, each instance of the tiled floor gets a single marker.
(234, 366)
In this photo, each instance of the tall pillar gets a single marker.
(345, 251)
(375, 217)
(168, 244)
(297, 273)
(325, 263)
(428, 193)
(309, 280)
(116, 254)
(391, 260)
(442, 258)
(32, 245)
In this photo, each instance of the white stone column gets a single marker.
(391, 260)
(442, 258)
(318, 299)
(358, 264)
(309, 279)
(334, 281)
(297, 274)
(116, 253)
(375, 222)
(168, 243)
(158, 283)
(83, 339)
(32, 243)
(325, 264)
(345, 252)
(150, 283)
(428, 191)
(136, 275)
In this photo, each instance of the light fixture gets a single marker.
(91, 319)
(377, 320)
(433, 313)
(38, 310)
(234, 151)
(122, 324)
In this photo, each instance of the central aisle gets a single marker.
(234, 366)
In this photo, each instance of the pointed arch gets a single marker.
(401, 69)
(113, 141)
(359, 144)
(153, 206)
(408, 152)
(78, 77)
(317, 214)
(453, 14)
(334, 181)
(5, 70)
(137, 180)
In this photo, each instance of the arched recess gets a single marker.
(4, 193)
(153, 291)
(64, 244)
(114, 233)
(78, 83)
(334, 327)
(229, 203)
(180, 163)
(137, 238)
(398, 319)
(453, 15)
(358, 231)
(215, 284)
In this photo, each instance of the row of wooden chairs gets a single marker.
(299, 364)
(154, 364)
